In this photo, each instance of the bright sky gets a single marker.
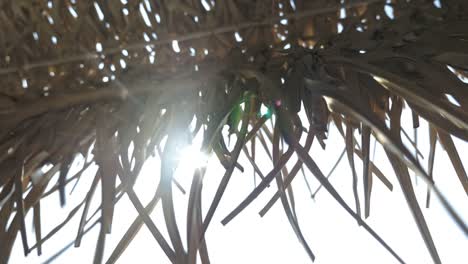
(333, 235)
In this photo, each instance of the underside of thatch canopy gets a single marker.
(93, 78)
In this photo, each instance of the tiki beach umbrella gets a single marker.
(114, 83)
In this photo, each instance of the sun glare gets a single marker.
(191, 157)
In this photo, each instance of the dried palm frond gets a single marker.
(120, 81)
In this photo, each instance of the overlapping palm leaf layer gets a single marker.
(119, 81)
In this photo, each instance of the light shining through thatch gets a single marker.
(239, 78)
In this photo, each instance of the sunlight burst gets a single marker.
(190, 159)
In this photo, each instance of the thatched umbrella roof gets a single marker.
(106, 75)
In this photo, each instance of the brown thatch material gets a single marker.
(104, 75)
